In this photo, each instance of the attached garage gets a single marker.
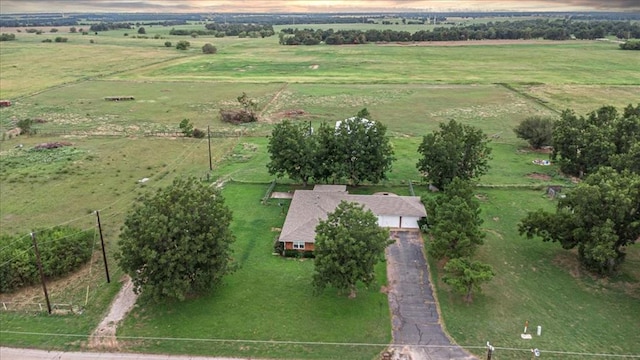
(389, 221)
(409, 222)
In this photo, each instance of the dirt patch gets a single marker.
(314, 67)
(104, 336)
(481, 197)
(539, 176)
(281, 195)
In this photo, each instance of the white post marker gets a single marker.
(525, 335)
(539, 330)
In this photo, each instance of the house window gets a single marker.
(298, 245)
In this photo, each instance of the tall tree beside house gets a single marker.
(177, 242)
(582, 144)
(456, 150)
(364, 149)
(328, 167)
(348, 245)
(292, 150)
(357, 149)
(454, 221)
(600, 217)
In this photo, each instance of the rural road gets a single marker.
(415, 319)
(28, 354)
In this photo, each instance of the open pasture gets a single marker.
(575, 62)
(411, 88)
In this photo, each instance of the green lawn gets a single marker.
(268, 298)
(544, 284)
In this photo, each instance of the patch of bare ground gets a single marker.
(568, 260)
(539, 176)
(68, 290)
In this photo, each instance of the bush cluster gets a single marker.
(7, 37)
(631, 45)
(62, 250)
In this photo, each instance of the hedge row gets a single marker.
(62, 250)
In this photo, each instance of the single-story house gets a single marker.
(308, 207)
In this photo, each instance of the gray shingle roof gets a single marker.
(308, 207)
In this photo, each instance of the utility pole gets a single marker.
(44, 286)
(489, 351)
(209, 140)
(104, 253)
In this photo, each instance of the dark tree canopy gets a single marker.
(183, 45)
(209, 49)
(357, 150)
(456, 150)
(363, 151)
(465, 276)
(600, 217)
(582, 144)
(536, 130)
(292, 149)
(176, 242)
(348, 245)
(454, 221)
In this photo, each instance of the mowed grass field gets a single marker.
(409, 88)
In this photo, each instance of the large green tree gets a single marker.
(292, 151)
(456, 150)
(536, 130)
(177, 242)
(582, 144)
(466, 276)
(454, 221)
(348, 245)
(600, 217)
(358, 149)
(364, 150)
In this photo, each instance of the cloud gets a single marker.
(13, 6)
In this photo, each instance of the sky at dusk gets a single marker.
(264, 6)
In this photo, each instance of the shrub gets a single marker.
(536, 130)
(62, 250)
(209, 49)
(54, 30)
(631, 45)
(299, 254)
(183, 45)
(167, 44)
(7, 37)
(61, 39)
(198, 134)
(47, 41)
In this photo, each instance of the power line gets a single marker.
(322, 343)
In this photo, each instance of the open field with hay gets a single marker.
(115, 145)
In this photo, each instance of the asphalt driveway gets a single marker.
(417, 333)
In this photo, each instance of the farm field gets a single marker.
(269, 299)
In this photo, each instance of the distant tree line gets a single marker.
(264, 30)
(106, 26)
(560, 29)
